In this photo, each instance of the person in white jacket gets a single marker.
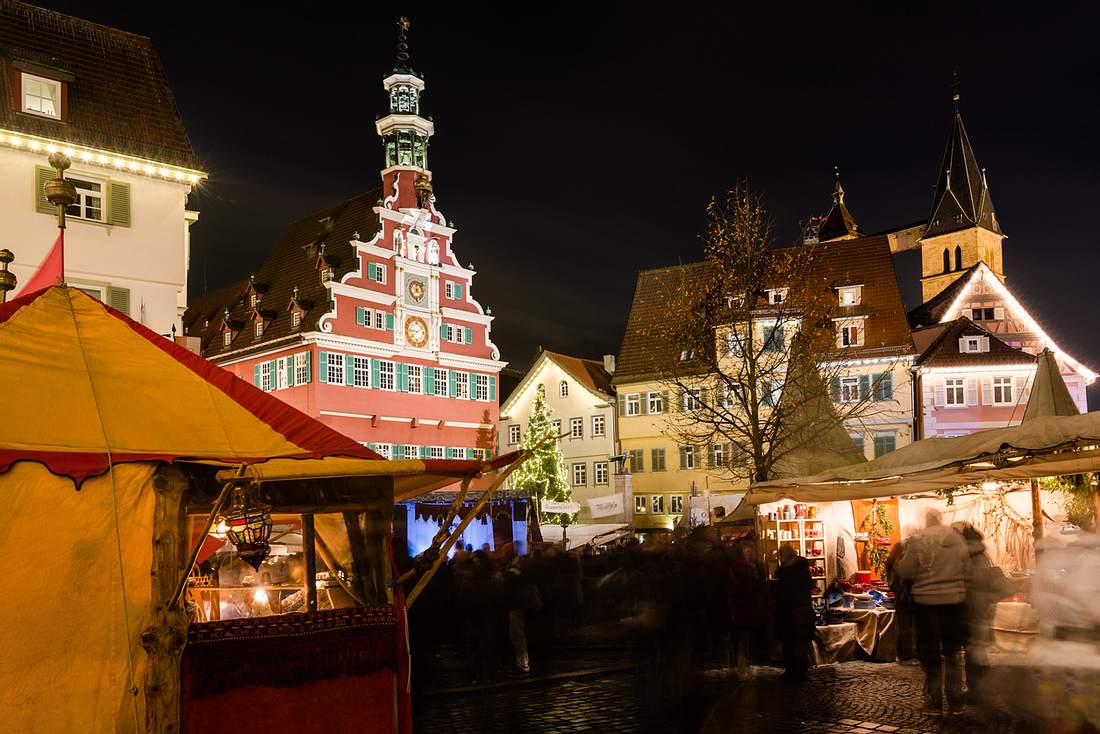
(935, 561)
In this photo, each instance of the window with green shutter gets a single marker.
(885, 386)
(864, 387)
(458, 291)
(360, 315)
(429, 380)
(375, 373)
(402, 377)
(492, 388)
(452, 384)
(256, 377)
(398, 451)
(119, 299)
(322, 366)
(289, 366)
(118, 203)
(389, 322)
(469, 335)
(349, 369)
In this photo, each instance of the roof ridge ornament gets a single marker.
(403, 45)
(838, 189)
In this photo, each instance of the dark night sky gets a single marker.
(575, 147)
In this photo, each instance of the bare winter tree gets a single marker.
(750, 351)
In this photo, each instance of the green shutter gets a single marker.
(864, 387)
(309, 366)
(42, 174)
(375, 374)
(622, 405)
(389, 321)
(289, 370)
(493, 388)
(469, 335)
(886, 386)
(452, 384)
(424, 453)
(349, 369)
(256, 376)
(371, 267)
(402, 377)
(398, 451)
(322, 366)
(471, 453)
(458, 291)
(834, 388)
(119, 299)
(429, 380)
(360, 315)
(118, 203)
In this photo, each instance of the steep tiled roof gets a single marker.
(588, 372)
(962, 196)
(862, 261)
(931, 311)
(639, 356)
(293, 263)
(867, 261)
(943, 351)
(118, 96)
(838, 222)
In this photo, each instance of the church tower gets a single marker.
(962, 227)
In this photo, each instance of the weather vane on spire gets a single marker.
(402, 43)
(955, 84)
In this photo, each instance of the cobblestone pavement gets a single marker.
(850, 697)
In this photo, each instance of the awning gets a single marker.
(581, 535)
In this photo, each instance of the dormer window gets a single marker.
(850, 295)
(252, 299)
(259, 328)
(974, 344)
(41, 96)
(777, 295)
(295, 319)
(227, 338)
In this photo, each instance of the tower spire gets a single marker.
(402, 46)
(962, 196)
(838, 190)
(838, 224)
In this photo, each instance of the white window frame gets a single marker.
(563, 389)
(411, 451)
(281, 378)
(850, 334)
(384, 449)
(676, 504)
(387, 375)
(379, 319)
(973, 344)
(688, 452)
(640, 506)
(442, 385)
(380, 273)
(954, 386)
(576, 428)
(227, 338)
(449, 289)
(301, 368)
(259, 328)
(599, 473)
(265, 377)
(1005, 386)
(850, 295)
(436, 452)
(335, 369)
(599, 426)
(54, 99)
(481, 387)
(295, 319)
(414, 372)
(79, 208)
(717, 454)
(633, 404)
(655, 402)
(657, 504)
(462, 385)
(849, 390)
(556, 425)
(690, 400)
(252, 297)
(514, 434)
(360, 367)
(580, 474)
(777, 295)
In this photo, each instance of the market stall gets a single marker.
(123, 460)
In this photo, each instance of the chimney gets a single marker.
(609, 363)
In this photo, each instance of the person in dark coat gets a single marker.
(794, 613)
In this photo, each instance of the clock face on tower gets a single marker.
(416, 331)
(416, 290)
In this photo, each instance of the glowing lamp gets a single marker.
(248, 526)
(990, 487)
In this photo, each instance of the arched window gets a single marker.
(958, 257)
(946, 260)
(563, 389)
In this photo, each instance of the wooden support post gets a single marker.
(358, 544)
(1036, 512)
(309, 547)
(423, 580)
(164, 638)
(223, 496)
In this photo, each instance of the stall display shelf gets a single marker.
(805, 534)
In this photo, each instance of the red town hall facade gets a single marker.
(363, 316)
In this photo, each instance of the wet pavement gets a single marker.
(603, 693)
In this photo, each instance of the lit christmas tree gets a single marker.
(543, 474)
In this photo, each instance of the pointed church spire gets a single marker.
(839, 222)
(403, 47)
(962, 196)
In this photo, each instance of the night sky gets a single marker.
(575, 147)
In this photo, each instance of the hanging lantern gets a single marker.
(248, 526)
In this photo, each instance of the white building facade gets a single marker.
(74, 86)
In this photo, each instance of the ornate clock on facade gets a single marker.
(416, 331)
(416, 290)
